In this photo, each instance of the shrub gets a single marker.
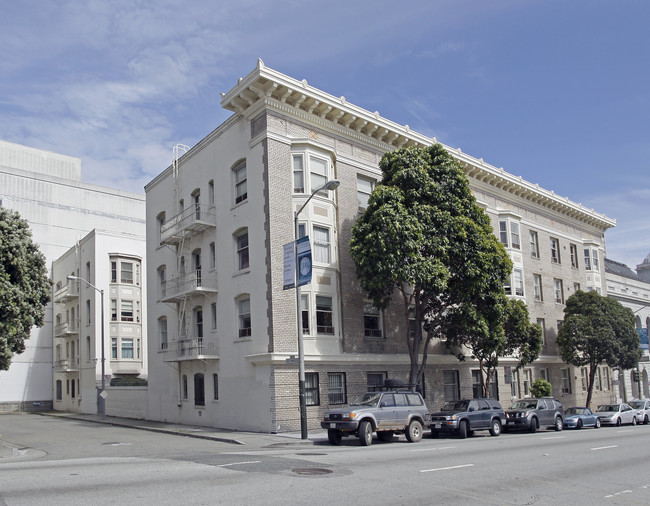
(541, 388)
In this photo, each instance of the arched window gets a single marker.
(199, 390)
(240, 182)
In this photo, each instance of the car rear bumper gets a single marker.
(348, 426)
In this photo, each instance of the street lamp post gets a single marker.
(101, 404)
(329, 185)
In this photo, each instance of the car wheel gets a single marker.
(365, 433)
(533, 425)
(334, 436)
(645, 420)
(414, 431)
(495, 430)
(634, 420)
(618, 422)
(579, 424)
(559, 424)
(597, 424)
(462, 430)
(385, 435)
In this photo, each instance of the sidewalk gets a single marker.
(317, 436)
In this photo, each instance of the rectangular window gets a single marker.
(594, 258)
(184, 386)
(559, 291)
(364, 189)
(518, 280)
(126, 272)
(59, 390)
(412, 322)
(242, 251)
(477, 386)
(324, 315)
(591, 259)
(211, 193)
(514, 384)
(213, 256)
(534, 245)
(298, 174)
(127, 348)
(215, 387)
(514, 235)
(451, 385)
(318, 176)
(336, 388)
(544, 374)
(162, 279)
(321, 245)
(555, 250)
(244, 308)
(126, 310)
(162, 328)
(598, 384)
(566, 381)
(584, 379)
(113, 272)
(606, 378)
(199, 390)
(574, 255)
(528, 381)
(375, 380)
(114, 348)
(88, 313)
(576, 287)
(503, 233)
(241, 192)
(371, 320)
(542, 323)
(213, 315)
(304, 312)
(312, 395)
(537, 284)
(113, 310)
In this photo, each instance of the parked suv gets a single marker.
(465, 416)
(383, 412)
(531, 414)
(642, 407)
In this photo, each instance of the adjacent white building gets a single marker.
(46, 189)
(223, 332)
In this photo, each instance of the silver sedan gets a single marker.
(616, 414)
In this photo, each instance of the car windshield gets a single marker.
(576, 411)
(608, 407)
(524, 405)
(637, 404)
(456, 406)
(368, 399)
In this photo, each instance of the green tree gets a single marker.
(424, 237)
(541, 388)
(491, 327)
(598, 329)
(24, 285)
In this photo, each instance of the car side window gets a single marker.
(400, 400)
(483, 405)
(388, 400)
(473, 405)
(414, 399)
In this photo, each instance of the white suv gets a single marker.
(642, 407)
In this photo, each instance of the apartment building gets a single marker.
(632, 289)
(223, 331)
(103, 267)
(47, 190)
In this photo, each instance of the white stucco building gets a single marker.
(223, 332)
(111, 262)
(46, 189)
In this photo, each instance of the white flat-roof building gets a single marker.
(223, 332)
(46, 189)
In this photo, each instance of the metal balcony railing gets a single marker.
(188, 284)
(194, 348)
(193, 220)
(65, 329)
(66, 292)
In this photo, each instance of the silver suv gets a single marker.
(386, 413)
(532, 414)
(642, 407)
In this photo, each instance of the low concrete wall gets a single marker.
(127, 402)
(28, 406)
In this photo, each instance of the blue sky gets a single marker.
(554, 91)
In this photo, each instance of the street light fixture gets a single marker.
(101, 404)
(329, 185)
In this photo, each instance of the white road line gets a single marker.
(431, 449)
(445, 468)
(240, 463)
(604, 447)
(554, 437)
(618, 493)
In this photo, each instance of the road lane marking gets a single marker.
(554, 437)
(618, 493)
(445, 468)
(240, 463)
(604, 447)
(431, 449)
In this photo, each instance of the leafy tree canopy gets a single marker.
(24, 285)
(424, 236)
(598, 330)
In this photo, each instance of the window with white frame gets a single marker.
(113, 310)
(528, 381)
(574, 255)
(566, 381)
(336, 388)
(514, 384)
(318, 174)
(559, 291)
(241, 241)
(364, 189)
(509, 234)
(514, 235)
(241, 189)
(244, 316)
(451, 385)
(584, 379)
(113, 272)
(126, 272)
(371, 320)
(127, 347)
(312, 394)
(503, 232)
(126, 310)
(555, 250)
(304, 313)
(324, 315)
(591, 259)
(545, 374)
(114, 348)
(321, 245)
(534, 244)
(518, 282)
(537, 286)
(298, 173)
(541, 322)
(606, 383)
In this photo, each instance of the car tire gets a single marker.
(533, 426)
(645, 420)
(579, 424)
(462, 430)
(618, 422)
(495, 429)
(414, 432)
(365, 433)
(559, 424)
(334, 436)
(385, 435)
(634, 420)
(597, 424)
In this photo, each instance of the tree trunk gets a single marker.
(592, 375)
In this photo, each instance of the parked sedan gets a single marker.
(616, 414)
(577, 418)
(642, 407)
